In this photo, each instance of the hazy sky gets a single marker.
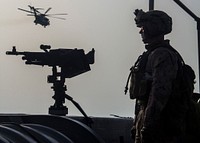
(105, 25)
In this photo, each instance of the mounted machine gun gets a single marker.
(71, 62)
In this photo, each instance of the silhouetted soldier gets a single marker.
(161, 108)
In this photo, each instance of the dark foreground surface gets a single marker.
(22, 128)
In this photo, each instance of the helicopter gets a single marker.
(41, 18)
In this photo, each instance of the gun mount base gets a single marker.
(61, 111)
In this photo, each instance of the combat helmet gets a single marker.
(154, 22)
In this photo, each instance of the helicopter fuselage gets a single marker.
(42, 20)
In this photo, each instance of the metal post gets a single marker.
(197, 19)
(151, 4)
(198, 28)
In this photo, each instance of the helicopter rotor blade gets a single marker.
(57, 14)
(35, 9)
(31, 7)
(47, 10)
(56, 17)
(25, 10)
(39, 8)
(30, 15)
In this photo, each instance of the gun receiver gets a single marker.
(72, 63)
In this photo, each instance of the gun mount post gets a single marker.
(59, 89)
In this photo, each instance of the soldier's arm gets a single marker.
(164, 69)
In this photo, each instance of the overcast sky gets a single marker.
(105, 25)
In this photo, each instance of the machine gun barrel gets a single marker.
(35, 58)
(14, 52)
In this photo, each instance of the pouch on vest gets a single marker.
(138, 84)
(139, 87)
